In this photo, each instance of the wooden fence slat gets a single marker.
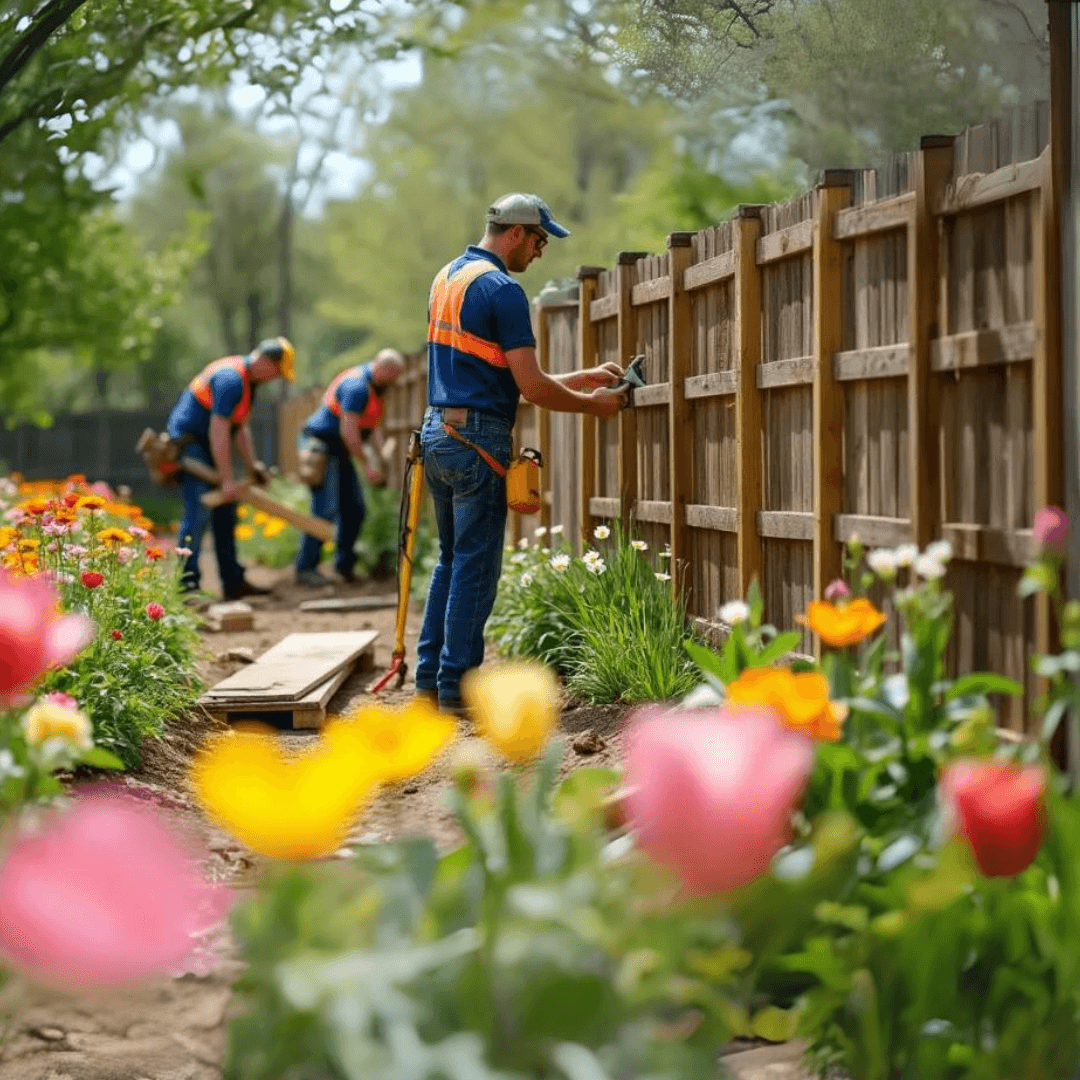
(712, 384)
(588, 279)
(543, 418)
(708, 272)
(977, 189)
(605, 308)
(784, 243)
(983, 348)
(795, 371)
(648, 292)
(875, 217)
(628, 425)
(681, 433)
(870, 530)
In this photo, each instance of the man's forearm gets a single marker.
(554, 393)
(221, 449)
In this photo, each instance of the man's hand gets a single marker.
(604, 402)
(231, 491)
(607, 374)
(260, 473)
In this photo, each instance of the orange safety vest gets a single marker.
(444, 312)
(200, 386)
(371, 417)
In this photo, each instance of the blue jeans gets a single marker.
(339, 496)
(470, 512)
(222, 520)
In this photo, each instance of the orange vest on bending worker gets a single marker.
(371, 417)
(444, 312)
(200, 386)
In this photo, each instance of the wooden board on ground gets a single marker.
(350, 603)
(308, 712)
(293, 667)
(234, 615)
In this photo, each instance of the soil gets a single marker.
(175, 1028)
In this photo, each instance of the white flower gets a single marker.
(601, 532)
(883, 563)
(520, 557)
(940, 550)
(663, 577)
(928, 567)
(639, 545)
(906, 554)
(666, 553)
(560, 562)
(596, 566)
(523, 543)
(556, 530)
(540, 530)
(734, 612)
(527, 578)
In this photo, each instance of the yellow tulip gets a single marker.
(515, 706)
(801, 701)
(397, 743)
(47, 719)
(292, 808)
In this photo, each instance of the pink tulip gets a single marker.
(711, 791)
(101, 894)
(1051, 528)
(33, 635)
(154, 611)
(837, 589)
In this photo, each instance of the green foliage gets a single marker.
(532, 950)
(608, 623)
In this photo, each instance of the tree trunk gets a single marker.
(254, 319)
(228, 330)
(285, 230)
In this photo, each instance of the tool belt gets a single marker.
(522, 477)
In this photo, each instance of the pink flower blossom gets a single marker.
(52, 546)
(140, 532)
(65, 701)
(183, 552)
(77, 549)
(711, 792)
(154, 611)
(102, 893)
(123, 556)
(837, 589)
(1051, 528)
(33, 635)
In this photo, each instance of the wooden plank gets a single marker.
(795, 371)
(295, 665)
(627, 419)
(656, 394)
(981, 348)
(681, 431)
(978, 189)
(656, 510)
(308, 712)
(719, 518)
(748, 416)
(984, 543)
(785, 242)
(648, 292)
(786, 524)
(604, 308)
(894, 213)
(351, 603)
(603, 508)
(876, 362)
(871, 530)
(587, 357)
(542, 319)
(712, 384)
(717, 268)
(828, 400)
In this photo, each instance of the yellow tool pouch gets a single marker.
(522, 477)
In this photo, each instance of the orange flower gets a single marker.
(144, 522)
(26, 544)
(92, 503)
(844, 625)
(113, 537)
(37, 507)
(153, 554)
(7, 534)
(801, 701)
(64, 516)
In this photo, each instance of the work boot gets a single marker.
(245, 588)
(312, 579)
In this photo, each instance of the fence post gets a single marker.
(680, 444)
(747, 230)
(832, 195)
(543, 416)
(587, 277)
(932, 167)
(627, 345)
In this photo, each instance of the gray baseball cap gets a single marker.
(521, 209)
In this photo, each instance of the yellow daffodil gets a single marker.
(274, 526)
(801, 701)
(244, 532)
(514, 705)
(843, 625)
(397, 743)
(294, 807)
(48, 718)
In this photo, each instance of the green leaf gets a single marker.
(705, 659)
(983, 682)
(101, 759)
(774, 1024)
(778, 647)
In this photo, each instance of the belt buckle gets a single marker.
(455, 416)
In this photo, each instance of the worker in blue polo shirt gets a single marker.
(347, 425)
(211, 412)
(481, 360)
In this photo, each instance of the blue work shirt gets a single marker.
(352, 395)
(496, 309)
(190, 418)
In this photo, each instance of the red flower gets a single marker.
(1000, 810)
(154, 611)
(116, 635)
(92, 579)
(154, 554)
(1051, 528)
(71, 498)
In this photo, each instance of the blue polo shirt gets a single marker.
(496, 309)
(352, 395)
(190, 418)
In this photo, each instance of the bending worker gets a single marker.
(213, 409)
(481, 359)
(348, 424)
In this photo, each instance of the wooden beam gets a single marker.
(795, 371)
(713, 384)
(831, 197)
(680, 414)
(871, 530)
(718, 268)
(606, 307)
(655, 394)
(786, 524)
(979, 189)
(986, 544)
(877, 362)
(602, 507)
(747, 290)
(587, 283)
(718, 518)
(648, 292)
(627, 419)
(982, 348)
(884, 216)
(654, 510)
(784, 243)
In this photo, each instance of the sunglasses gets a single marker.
(539, 236)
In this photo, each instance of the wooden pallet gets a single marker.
(292, 683)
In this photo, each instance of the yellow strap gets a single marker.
(500, 469)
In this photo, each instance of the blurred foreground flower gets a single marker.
(514, 705)
(711, 792)
(396, 743)
(842, 626)
(53, 718)
(294, 807)
(801, 701)
(33, 635)
(1051, 529)
(999, 808)
(101, 893)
